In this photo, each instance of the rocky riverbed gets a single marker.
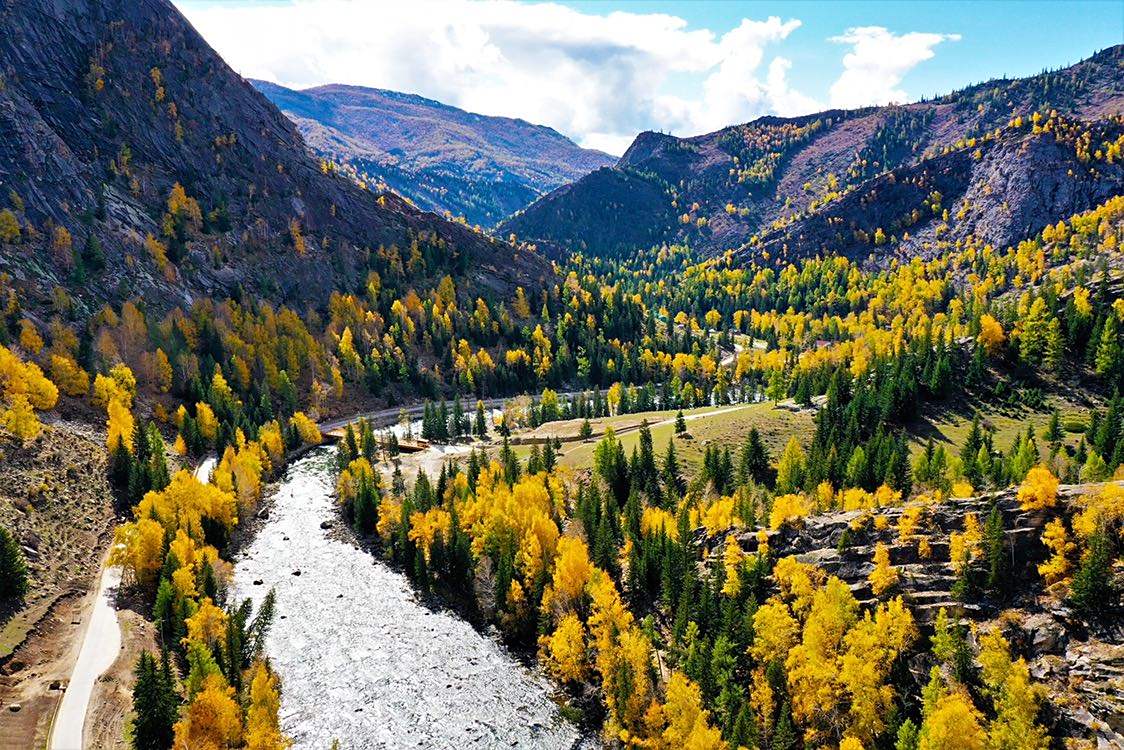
(362, 660)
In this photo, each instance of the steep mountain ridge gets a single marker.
(998, 192)
(440, 157)
(719, 190)
(105, 106)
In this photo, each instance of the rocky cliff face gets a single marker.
(998, 192)
(1080, 662)
(774, 177)
(440, 157)
(104, 106)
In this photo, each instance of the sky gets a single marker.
(601, 71)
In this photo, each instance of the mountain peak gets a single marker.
(442, 158)
(146, 105)
(721, 190)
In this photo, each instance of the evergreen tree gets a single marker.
(441, 421)
(458, 419)
(1054, 429)
(586, 431)
(680, 423)
(970, 450)
(1091, 591)
(480, 426)
(534, 461)
(365, 510)
(672, 478)
(1107, 362)
(995, 548)
(155, 704)
(13, 568)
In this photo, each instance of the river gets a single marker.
(362, 660)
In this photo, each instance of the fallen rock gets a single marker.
(1045, 634)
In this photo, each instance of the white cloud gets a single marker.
(877, 62)
(599, 79)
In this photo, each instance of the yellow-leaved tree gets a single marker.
(212, 719)
(263, 731)
(884, 576)
(564, 649)
(1039, 489)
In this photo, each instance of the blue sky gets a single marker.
(997, 37)
(602, 71)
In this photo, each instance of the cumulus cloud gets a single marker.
(878, 61)
(597, 78)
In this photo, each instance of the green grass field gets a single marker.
(729, 425)
(950, 427)
(725, 425)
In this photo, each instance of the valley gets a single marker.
(338, 417)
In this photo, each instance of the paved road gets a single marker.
(100, 645)
(388, 417)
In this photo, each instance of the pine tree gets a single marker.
(429, 431)
(1055, 347)
(1032, 340)
(586, 431)
(970, 450)
(549, 458)
(13, 568)
(1054, 429)
(349, 450)
(754, 461)
(534, 461)
(995, 547)
(458, 419)
(680, 423)
(480, 427)
(365, 511)
(1091, 591)
(441, 421)
(673, 480)
(1107, 361)
(155, 704)
(908, 736)
(510, 463)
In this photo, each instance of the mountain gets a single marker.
(440, 157)
(105, 106)
(766, 178)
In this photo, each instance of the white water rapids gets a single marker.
(362, 660)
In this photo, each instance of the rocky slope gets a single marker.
(440, 157)
(1081, 663)
(55, 499)
(717, 191)
(1000, 192)
(104, 106)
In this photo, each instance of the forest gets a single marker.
(820, 488)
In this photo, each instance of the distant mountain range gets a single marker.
(828, 182)
(442, 158)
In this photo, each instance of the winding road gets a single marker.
(101, 642)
